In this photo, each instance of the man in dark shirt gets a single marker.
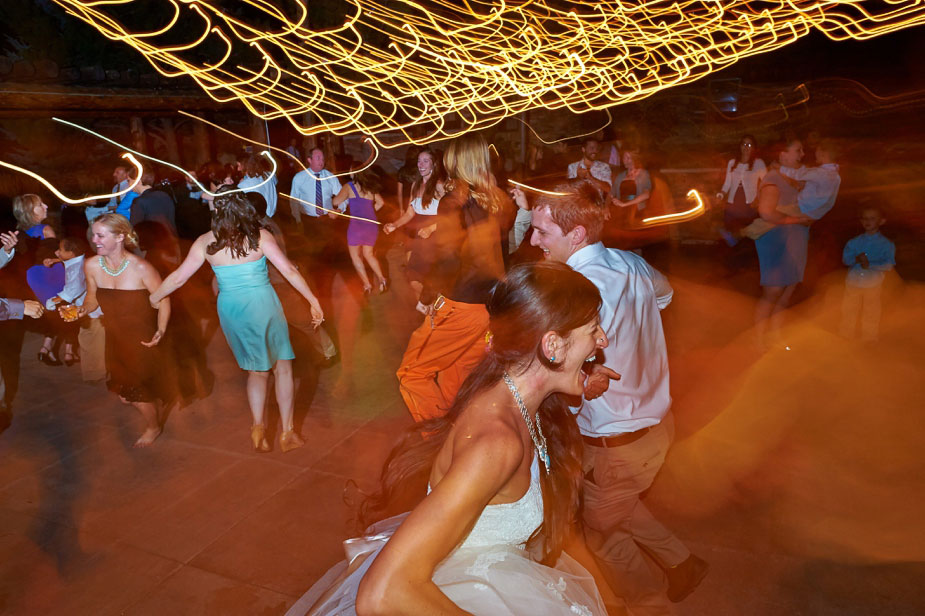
(153, 204)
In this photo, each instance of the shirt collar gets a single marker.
(77, 259)
(583, 255)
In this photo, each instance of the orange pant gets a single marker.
(440, 357)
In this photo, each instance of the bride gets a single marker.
(504, 470)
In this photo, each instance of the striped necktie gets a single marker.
(319, 202)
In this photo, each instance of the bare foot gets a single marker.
(147, 437)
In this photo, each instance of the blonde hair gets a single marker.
(24, 210)
(118, 224)
(467, 160)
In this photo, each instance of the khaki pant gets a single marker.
(863, 301)
(92, 341)
(439, 357)
(618, 526)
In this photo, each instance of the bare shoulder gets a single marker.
(487, 427)
(92, 264)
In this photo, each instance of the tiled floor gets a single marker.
(796, 474)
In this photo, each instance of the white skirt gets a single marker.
(494, 581)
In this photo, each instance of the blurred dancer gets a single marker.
(119, 282)
(627, 428)
(467, 263)
(250, 312)
(869, 255)
(420, 218)
(363, 201)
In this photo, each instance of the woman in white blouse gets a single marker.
(740, 189)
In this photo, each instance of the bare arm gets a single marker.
(400, 580)
(378, 202)
(152, 280)
(177, 278)
(767, 207)
(341, 196)
(402, 220)
(90, 302)
(643, 196)
(276, 256)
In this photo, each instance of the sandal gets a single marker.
(48, 358)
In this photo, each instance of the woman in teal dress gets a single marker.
(250, 313)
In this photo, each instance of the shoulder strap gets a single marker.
(354, 189)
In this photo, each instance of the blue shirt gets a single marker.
(125, 205)
(268, 190)
(881, 254)
(303, 188)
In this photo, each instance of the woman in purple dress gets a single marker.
(363, 201)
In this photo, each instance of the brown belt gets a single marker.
(616, 440)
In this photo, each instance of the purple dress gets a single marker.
(360, 232)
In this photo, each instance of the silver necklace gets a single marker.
(121, 269)
(536, 433)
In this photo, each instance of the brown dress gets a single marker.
(130, 320)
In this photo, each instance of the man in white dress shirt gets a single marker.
(121, 178)
(313, 187)
(589, 168)
(626, 425)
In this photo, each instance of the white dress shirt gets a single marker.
(268, 190)
(75, 286)
(303, 188)
(6, 257)
(599, 170)
(633, 292)
(818, 195)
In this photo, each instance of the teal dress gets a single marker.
(251, 315)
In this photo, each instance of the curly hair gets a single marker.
(534, 298)
(234, 224)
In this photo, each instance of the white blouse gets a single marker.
(737, 174)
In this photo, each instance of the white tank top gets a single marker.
(431, 210)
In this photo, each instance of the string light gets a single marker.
(534, 189)
(338, 212)
(127, 156)
(186, 173)
(668, 219)
(451, 67)
(366, 165)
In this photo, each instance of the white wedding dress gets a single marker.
(488, 574)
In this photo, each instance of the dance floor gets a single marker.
(795, 473)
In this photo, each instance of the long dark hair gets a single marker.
(234, 224)
(534, 298)
(437, 175)
(737, 157)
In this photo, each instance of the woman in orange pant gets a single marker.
(451, 340)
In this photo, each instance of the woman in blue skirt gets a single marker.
(782, 250)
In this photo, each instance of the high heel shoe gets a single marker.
(48, 359)
(289, 440)
(367, 290)
(383, 285)
(259, 438)
(73, 359)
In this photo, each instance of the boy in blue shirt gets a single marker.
(869, 255)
